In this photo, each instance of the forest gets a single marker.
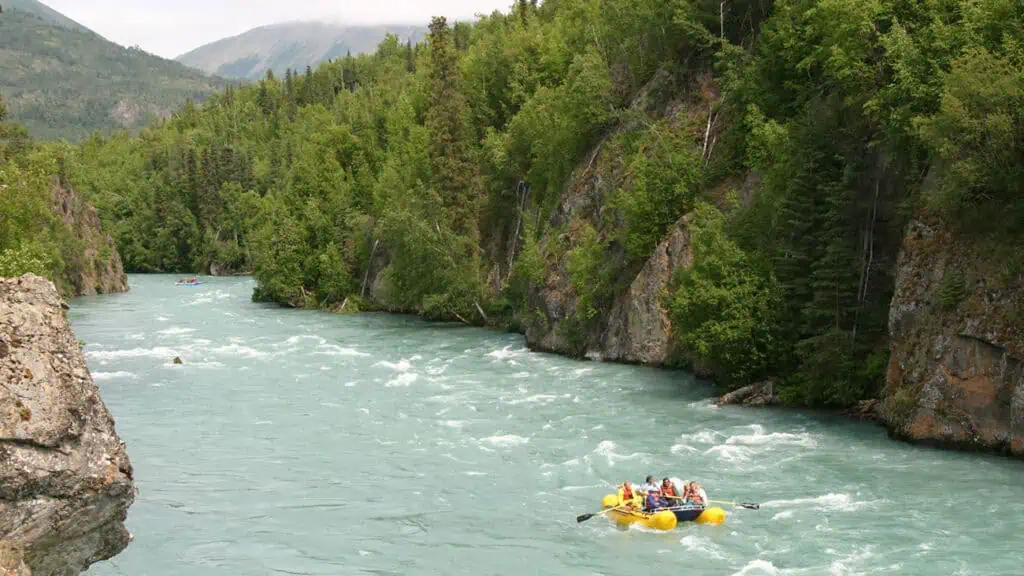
(853, 115)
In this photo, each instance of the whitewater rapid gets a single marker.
(301, 442)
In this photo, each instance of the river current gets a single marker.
(306, 443)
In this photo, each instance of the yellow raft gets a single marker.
(626, 513)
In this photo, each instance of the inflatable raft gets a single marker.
(627, 513)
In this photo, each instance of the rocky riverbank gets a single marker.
(65, 476)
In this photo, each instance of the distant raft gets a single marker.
(627, 513)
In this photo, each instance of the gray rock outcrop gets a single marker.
(65, 477)
(956, 373)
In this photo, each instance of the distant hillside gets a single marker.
(289, 45)
(43, 11)
(65, 82)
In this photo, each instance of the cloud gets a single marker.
(170, 29)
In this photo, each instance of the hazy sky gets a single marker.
(171, 28)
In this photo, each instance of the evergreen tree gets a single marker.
(452, 169)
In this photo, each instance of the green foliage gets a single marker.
(952, 288)
(666, 175)
(26, 259)
(426, 178)
(723, 310)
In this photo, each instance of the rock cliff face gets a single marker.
(956, 374)
(65, 478)
(636, 329)
(99, 270)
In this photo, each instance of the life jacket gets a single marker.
(627, 492)
(669, 490)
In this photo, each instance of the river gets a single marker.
(300, 442)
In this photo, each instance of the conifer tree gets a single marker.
(452, 176)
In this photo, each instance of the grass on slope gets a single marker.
(65, 83)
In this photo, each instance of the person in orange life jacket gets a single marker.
(692, 493)
(669, 491)
(627, 491)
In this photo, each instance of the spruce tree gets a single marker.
(452, 176)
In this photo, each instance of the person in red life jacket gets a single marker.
(668, 489)
(627, 491)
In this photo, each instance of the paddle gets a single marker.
(746, 505)
(585, 517)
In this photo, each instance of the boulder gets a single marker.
(65, 477)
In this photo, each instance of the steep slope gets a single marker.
(60, 82)
(65, 478)
(289, 45)
(45, 12)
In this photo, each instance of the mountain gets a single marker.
(43, 11)
(290, 45)
(61, 80)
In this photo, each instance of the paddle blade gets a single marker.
(584, 517)
(751, 506)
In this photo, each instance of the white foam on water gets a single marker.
(535, 399)
(784, 515)
(457, 424)
(176, 331)
(402, 366)
(403, 380)
(506, 353)
(162, 318)
(729, 452)
(506, 440)
(335, 350)
(757, 568)
(519, 375)
(293, 340)
(238, 350)
(678, 449)
(437, 370)
(157, 352)
(607, 449)
(351, 384)
(705, 437)
(104, 376)
(136, 336)
(759, 438)
(578, 488)
(694, 543)
(473, 473)
(828, 502)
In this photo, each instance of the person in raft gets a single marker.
(668, 490)
(694, 494)
(655, 501)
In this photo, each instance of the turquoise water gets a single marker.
(296, 442)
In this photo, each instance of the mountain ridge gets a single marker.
(66, 82)
(295, 44)
(46, 13)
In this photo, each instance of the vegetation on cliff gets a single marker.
(44, 227)
(426, 178)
